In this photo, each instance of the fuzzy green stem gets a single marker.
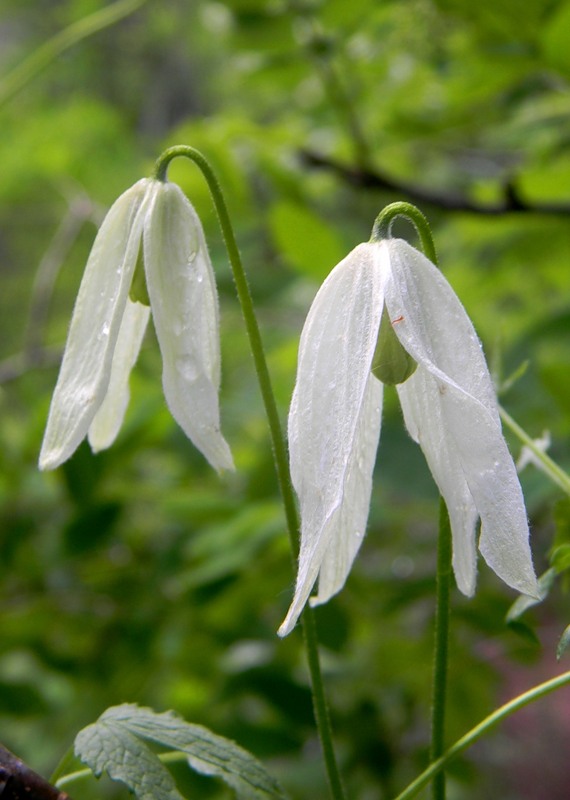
(480, 730)
(278, 442)
(382, 228)
(443, 586)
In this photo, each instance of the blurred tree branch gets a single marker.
(373, 179)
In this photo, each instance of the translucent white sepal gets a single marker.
(86, 366)
(450, 407)
(109, 417)
(334, 424)
(184, 303)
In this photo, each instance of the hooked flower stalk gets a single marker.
(153, 218)
(386, 314)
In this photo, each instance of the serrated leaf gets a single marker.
(524, 602)
(563, 644)
(107, 746)
(206, 752)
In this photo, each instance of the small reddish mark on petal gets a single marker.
(398, 319)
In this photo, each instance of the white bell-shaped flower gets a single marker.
(449, 408)
(107, 327)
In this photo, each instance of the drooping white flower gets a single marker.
(107, 327)
(449, 408)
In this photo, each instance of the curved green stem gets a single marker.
(15, 80)
(480, 730)
(439, 690)
(278, 442)
(382, 228)
(62, 766)
(172, 757)
(73, 777)
(549, 467)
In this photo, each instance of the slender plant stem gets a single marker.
(21, 75)
(476, 733)
(278, 442)
(548, 466)
(443, 585)
(172, 757)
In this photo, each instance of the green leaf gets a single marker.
(554, 38)
(113, 744)
(108, 746)
(563, 644)
(307, 242)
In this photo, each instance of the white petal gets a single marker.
(86, 365)
(184, 304)
(329, 554)
(460, 412)
(327, 424)
(108, 419)
(419, 397)
(352, 516)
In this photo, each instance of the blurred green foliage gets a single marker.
(141, 576)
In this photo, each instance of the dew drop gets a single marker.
(84, 397)
(187, 367)
(179, 327)
(104, 332)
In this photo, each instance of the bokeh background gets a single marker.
(140, 575)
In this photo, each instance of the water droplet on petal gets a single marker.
(187, 367)
(179, 327)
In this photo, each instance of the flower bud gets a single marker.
(391, 364)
